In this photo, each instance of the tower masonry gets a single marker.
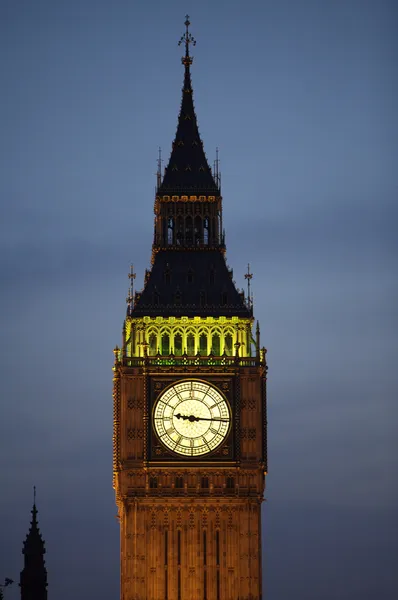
(190, 425)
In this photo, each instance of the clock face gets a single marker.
(191, 418)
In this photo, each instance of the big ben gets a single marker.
(190, 446)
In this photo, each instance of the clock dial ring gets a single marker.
(191, 418)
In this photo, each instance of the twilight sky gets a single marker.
(300, 97)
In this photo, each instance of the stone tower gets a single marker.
(190, 450)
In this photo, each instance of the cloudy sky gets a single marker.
(300, 97)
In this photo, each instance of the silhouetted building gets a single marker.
(33, 579)
(190, 451)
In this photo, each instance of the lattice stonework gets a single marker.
(191, 336)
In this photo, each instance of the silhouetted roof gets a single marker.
(188, 172)
(190, 283)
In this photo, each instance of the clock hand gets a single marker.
(213, 419)
(192, 418)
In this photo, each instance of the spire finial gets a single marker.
(187, 38)
(249, 276)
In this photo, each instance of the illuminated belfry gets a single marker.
(189, 399)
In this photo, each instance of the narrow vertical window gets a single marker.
(188, 231)
(152, 344)
(153, 482)
(179, 482)
(217, 548)
(228, 344)
(204, 548)
(198, 230)
(215, 344)
(205, 482)
(170, 231)
(206, 231)
(178, 344)
(190, 344)
(203, 344)
(165, 345)
(230, 483)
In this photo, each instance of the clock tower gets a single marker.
(190, 452)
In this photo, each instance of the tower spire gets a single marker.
(188, 171)
(188, 39)
(33, 580)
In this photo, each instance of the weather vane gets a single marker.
(187, 38)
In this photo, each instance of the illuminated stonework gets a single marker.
(202, 336)
(189, 398)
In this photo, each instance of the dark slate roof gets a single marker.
(188, 172)
(190, 283)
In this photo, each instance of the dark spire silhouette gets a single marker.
(33, 580)
(188, 172)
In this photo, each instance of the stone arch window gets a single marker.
(198, 230)
(228, 341)
(203, 344)
(206, 233)
(165, 349)
(180, 231)
(215, 344)
(179, 482)
(191, 344)
(178, 344)
(188, 231)
(170, 231)
(153, 482)
(152, 345)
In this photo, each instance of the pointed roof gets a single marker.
(188, 172)
(34, 543)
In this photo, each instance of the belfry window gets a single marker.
(206, 231)
(170, 231)
(215, 344)
(228, 344)
(179, 233)
(178, 344)
(188, 231)
(165, 345)
(152, 344)
(203, 344)
(190, 344)
(198, 230)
